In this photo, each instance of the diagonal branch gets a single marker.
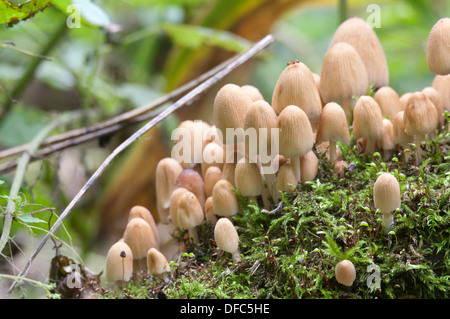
(232, 64)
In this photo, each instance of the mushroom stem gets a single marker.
(347, 106)
(236, 256)
(388, 221)
(418, 141)
(370, 147)
(295, 161)
(193, 235)
(332, 147)
(386, 155)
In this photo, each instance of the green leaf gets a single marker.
(11, 13)
(91, 15)
(27, 218)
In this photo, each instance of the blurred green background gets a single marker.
(127, 53)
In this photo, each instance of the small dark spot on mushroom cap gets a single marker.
(123, 254)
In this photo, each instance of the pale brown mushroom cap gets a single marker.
(209, 211)
(286, 180)
(420, 116)
(404, 99)
(212, 176)
(400, 136)
(230, 105)
(367, 119)
(144, 213)
(252, 92)
(296, 86)
(193, 182)
(225, 201)
(438, 47)
(190, 212)
(345, 272)
(435, 98)
(213, 155)
(296, 137)
(387, 143)
(386, 193)
(442, 84)
(333, 125)
(343, 74)
(167, 172)
(174, 201)
(358, 33)
(248, 178)
(226, 236)
(139, 236)
(389, 101)
(157, 263)
(309, 166)
(118, 267)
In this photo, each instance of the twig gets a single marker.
(20, 174)
(115, 123)
(234, 63)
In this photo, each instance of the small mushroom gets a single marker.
(144, 213)
(252, 92)
(227, 238)
(225, 201)
(190, 215)
(387, 143)
(248, 179)
(368, 121)
(212, 176)
(442, 84)
(438, 48)
(386, 195)
(345, 272)
(157, 264)
(119, 263)
(400, 136)
(286, 180)
(309, 165)
(209, 211)
(389, 101)
(193, 182)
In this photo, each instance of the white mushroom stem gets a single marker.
(332, 149)
(418, 141)
(347, 106)
(236, 256)
(388, 221)
(193, 235)
(295, 161)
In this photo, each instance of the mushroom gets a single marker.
(435, 98)
(193, 182)
(295, 137)
(230, 105)
(389, 101)
(404, 98)
(174, 200)
(343, 76)
(144, 213)
(420, 119)
(309, 165)
(345, 272)
(190, 215)
(359, 34)
(157, 264)
(400, 136)
(438, 48)
(227, 238)
(252, 92)
(213, 155)
(296, 86)
(119, 263)
(386, 195)
(340, 167)
(139, 236)
(286, 180)
(387, 143)
(167, 172)
(368, 121)
(209, 211)
(248, 179)
(442, 84)
(333, 127)
(212, 176)
(225, 201)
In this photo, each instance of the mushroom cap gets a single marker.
(435, 98)
(420, 117)
(260, 115)
(190, 212)
(387, 142)
(367, 119)
(404, 99)
(157, 263)
(400, 136)
(226, 236)
(345, 272)
(286, 180)
(358, 33)
(144, 213)
(174, 201)
(193, 182)
(389, 101)
(213, 155)
(343, 74)
(225, 201)
(252, 92)
(248, 178)
(230, 105)
(296, 137)
(438, 48)
(442, 84)
(209, 211)
(167, 171)
(386, 193)
(139, 236)
(118, 267)
(333, 125)
(212, 176)
(309, 166)
(296, 86)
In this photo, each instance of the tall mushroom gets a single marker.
(386, 195)
(227, 238)
(295, 135)
(438, 48)
(333, 127)
(368, 121)
(296, 86)
(420, 119)
(343, 76)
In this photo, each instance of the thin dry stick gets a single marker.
(129, 117)
(234, 63)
